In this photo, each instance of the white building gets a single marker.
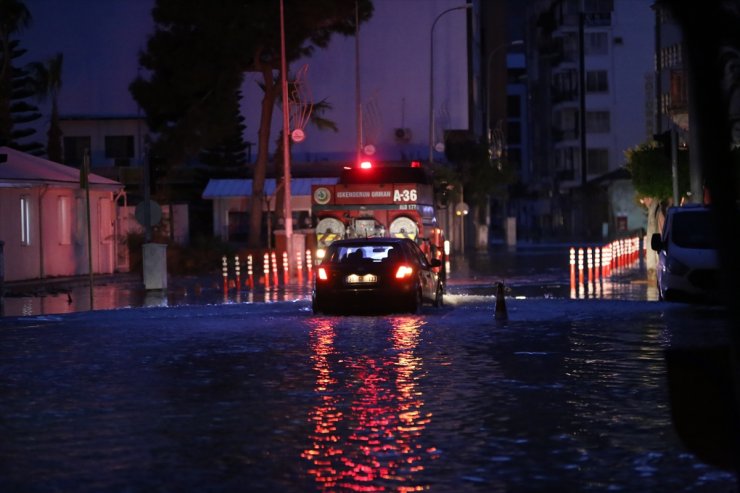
(44, 224)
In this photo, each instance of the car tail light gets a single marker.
(322, 274)
(404, 271)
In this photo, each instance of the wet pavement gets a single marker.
(569, 393)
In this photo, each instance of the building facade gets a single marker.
(51, 226)
(590, 77)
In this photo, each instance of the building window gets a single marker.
(74, 150)
(598, 161)
(104, 218)
(597, 122)
(571, 46)
(514, 106)
(64, 223)
(513, 133)
(598, 6)
(566, 161)
(566, 122)
(120, 148)
(25, 220)
(597, 81)
(566, 85)
(596, 43)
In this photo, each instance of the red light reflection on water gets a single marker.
(369, 422)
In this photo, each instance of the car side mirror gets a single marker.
(435, 262)
(656, 242)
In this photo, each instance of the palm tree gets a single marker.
(14, 16)
(46, 80)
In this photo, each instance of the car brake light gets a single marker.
(404, 271)
(322, 274)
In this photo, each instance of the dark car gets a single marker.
(376, 274)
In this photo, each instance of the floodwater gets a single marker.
(566, 395)
(528, 271)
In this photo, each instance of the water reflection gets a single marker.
(115, 296)
(369, 418)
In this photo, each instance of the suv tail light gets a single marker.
(322, 274)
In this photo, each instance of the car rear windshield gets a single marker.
(693, 230)
(363, 253)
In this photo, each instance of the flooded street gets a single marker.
(534, 271)
(566, 395)
(570, 393)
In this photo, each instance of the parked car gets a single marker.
(376, 274)
(688, 263)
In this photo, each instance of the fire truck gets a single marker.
(369, 200)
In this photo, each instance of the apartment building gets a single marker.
(590, 77)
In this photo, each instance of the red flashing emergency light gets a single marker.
(366, 165)
(416, 164)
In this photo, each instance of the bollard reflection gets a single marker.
(368, 424)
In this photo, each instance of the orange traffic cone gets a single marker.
(500, 311)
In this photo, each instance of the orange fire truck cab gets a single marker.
(395, 201)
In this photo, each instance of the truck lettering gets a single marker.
(348, 195)
(404, 195)
(380, 193)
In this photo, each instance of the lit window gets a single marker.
(64, 223)
(25, 220)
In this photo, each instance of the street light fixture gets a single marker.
(431, 76)
(509, 44)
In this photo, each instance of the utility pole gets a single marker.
(286, 143)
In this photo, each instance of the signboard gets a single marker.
(155, 213)
(371, 194)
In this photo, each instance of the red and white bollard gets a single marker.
(266, 269)
(286, 274)
(273, 258)
(309, 261)
(250, 272)
(238, 272)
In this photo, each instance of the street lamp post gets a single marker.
(431, 76)
(509, 44)
(286, 144)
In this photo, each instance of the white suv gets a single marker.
(688, 264)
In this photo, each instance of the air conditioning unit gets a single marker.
(402, 135)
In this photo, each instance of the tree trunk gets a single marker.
(654, 225)
(54, 134)
(260, 168)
